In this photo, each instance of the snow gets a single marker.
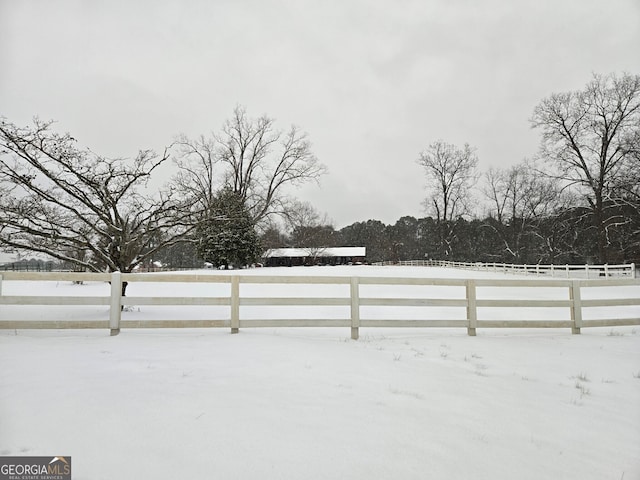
(311, 403)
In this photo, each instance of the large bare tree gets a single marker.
(626, 198)
(253, 158)
(590, 141)
(451, 173)
(71, 204)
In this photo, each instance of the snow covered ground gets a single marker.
(311, 403)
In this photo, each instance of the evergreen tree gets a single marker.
(228, 237)
(371, 234)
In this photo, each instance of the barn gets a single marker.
(289, 257)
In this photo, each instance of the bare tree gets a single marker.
(519, 196)
(310, 230)
(305, 215)
(589, 138)
(197, 177)
(451, 174)
(507, 198)
(81, 208)
(251, 157)
(625, 198)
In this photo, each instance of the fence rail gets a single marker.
(473, 296)
(627, 270)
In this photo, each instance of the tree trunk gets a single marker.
(600, 230)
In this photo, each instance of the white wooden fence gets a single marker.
(567, 271)
(569, 297)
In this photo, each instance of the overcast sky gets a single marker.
(372, 82)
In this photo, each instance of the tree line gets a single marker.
(564, 238)
(577, 201)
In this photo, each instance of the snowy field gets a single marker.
(310, 403)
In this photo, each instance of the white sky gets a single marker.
(372, 82)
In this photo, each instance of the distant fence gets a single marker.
(567, 271)
(569, 299)
(29, 266)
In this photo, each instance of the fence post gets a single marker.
(472, 311)
(0, 285)
(633, 270)
(606, 270)
(355, 308)
(235, 304)
(115, 309)
(576, 307)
